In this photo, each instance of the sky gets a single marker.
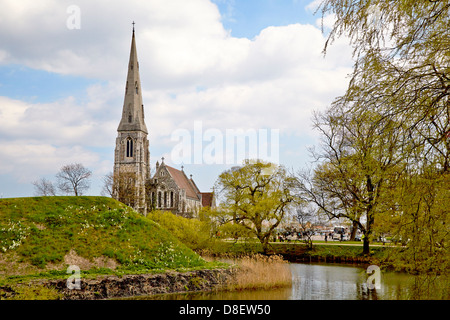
(211, 71)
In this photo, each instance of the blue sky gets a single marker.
(33, 85)
(247, 18)
(229, 64)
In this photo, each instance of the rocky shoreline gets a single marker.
(128, 286)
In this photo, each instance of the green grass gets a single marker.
(36, 234)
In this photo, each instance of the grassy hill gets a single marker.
(46, 234)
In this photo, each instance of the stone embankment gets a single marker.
(111, 287)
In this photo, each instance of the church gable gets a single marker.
(164, 179)
(172, 190)
(183, 183)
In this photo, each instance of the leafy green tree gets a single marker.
(360, 157)
(256, 196)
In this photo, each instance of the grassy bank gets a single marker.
(42, 236)
(341, 253)
(299, 252)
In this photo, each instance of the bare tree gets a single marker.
(309, 219)
(44, 187)
(124, 188)
(73, 179)
(108, 183)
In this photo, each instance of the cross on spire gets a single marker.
(133, 25)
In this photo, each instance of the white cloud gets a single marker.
(35, 33)
(313, 6)
(276, 82)
(180, 43)
(28, 160)
(327, 22)
(37, 139)
(62, 122)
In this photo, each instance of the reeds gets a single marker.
(260, 272)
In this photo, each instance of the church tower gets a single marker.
(132, 155)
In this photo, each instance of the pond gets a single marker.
(314, 281)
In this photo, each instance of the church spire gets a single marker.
(133, 108)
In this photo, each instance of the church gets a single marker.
(169, 189)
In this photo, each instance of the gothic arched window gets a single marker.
(159, 199)
(165, 199)
(129, 147)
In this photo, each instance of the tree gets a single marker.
(44, 187)
(360, 158)
(256, 196)
(401, 73)
(309, 219)
(422, 222)
(124, 188)
(402, 55)
(74, 179)
(108, 183)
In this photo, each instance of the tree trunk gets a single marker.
(354, 229)
(264, 242)
(366, 249)
(310, 244)
(265, 246)
(368, 232)
(369, 215)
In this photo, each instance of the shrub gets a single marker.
(191, 232)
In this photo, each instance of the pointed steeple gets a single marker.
(133, 108)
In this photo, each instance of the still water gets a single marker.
(318, 282)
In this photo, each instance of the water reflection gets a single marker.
(325, 282)
(274, 294)
(319, 282)
(343, 282)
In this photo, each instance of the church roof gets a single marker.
(207, 199)
(183, 182)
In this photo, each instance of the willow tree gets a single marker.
(401, 72)
(256, 196)
(402, 65)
